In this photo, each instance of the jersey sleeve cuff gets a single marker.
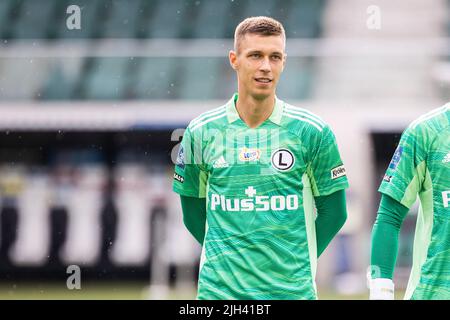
(336, 187)
(393, 192)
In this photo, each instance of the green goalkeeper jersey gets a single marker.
(259, 186)
(421, 166)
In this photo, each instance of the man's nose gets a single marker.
(265, 65)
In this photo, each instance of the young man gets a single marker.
(248, 174)
(420, 166)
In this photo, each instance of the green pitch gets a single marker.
(88, 291)
(123, 291)
(126, 291)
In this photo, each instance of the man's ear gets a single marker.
(232, 56)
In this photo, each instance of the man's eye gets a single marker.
(276, 57)
(255, 55)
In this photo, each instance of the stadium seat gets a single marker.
(211, 14)
(201, 75)
(241, 9)
(296, 79)
(5, 12)
(235, 14)
(168, 19)
(262, 8)
(153, 79)
(35, 19)
(123, 18)
(106, 79)
(228, 82)
(28, 72)
(303, 19)
(62, 79)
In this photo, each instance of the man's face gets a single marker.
(259, 61)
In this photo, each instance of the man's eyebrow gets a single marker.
(260, 51)
(254, 51)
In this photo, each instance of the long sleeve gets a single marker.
(331, 216)
(194, 216)
(386, 229)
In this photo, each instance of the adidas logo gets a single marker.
(221, 163)
(446, 158)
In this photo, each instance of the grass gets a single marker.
(122, 291)
(91, 291)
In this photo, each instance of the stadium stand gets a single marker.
(157, 77)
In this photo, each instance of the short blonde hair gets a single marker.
(261, 25)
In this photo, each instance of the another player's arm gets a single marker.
(386, 229)
(404, 179)
(194, 216)
(331, 216)
(190, 181)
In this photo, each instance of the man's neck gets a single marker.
(254, 112)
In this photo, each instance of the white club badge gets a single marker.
(282, 159)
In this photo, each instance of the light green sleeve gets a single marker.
(406, 172)
(190, 178)
(326, 170)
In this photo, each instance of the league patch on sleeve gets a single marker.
(396, 158)
(338, 172)
(387, 178)
(178, 177)
(180, 158)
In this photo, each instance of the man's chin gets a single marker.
(262, 95)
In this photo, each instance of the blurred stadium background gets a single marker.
(89, 119)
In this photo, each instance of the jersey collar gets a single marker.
(233, 115)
